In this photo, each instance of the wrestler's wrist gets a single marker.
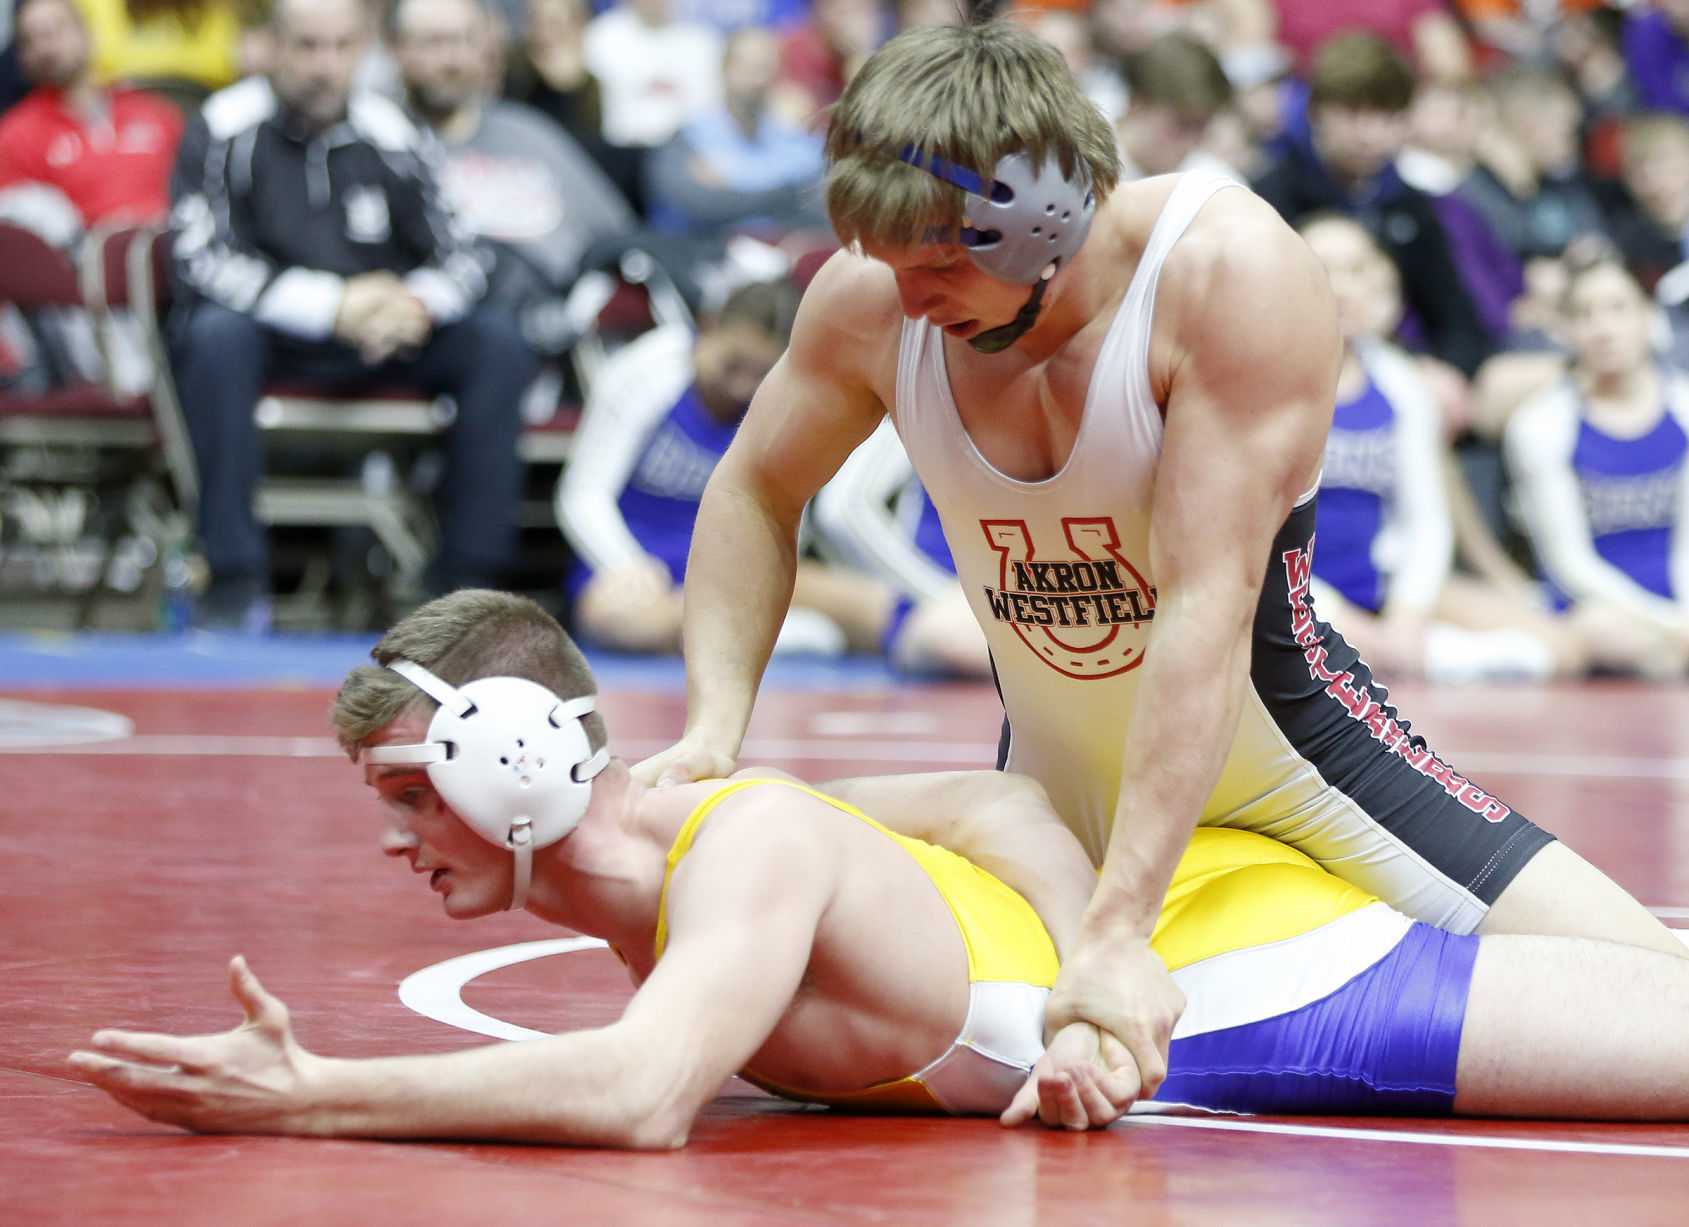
(712, 741)
(312, 1105)
(1112, 925)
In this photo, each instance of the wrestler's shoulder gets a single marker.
(1234, 246)
(851, 279)
(850, 317)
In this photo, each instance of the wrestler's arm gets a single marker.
(743, 909)
(1001, 822)
(1248, 354)
(811, 411)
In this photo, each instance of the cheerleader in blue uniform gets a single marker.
(1598, 462)
(1385, 537)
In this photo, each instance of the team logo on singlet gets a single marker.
(1082, 609)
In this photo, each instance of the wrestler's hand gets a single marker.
(692, 759)
(1085, 1080)
(1122, 988)
(249, 1080)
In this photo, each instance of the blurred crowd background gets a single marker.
(376, 298)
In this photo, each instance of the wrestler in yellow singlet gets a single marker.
(1257, 935)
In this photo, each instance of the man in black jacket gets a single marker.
(1360, 88)
(312, 245)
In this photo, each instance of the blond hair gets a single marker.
(970, 95)
(468, 634)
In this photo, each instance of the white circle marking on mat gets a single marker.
(437, 992)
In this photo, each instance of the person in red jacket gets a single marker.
(109, 149)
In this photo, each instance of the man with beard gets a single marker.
(511, 176)
(314, 244)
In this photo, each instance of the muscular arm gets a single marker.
(816, 405)
(1247, 353)
(743, 910)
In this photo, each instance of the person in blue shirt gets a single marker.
(742, 165)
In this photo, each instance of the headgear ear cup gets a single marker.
(1022, 220)
(510, 758)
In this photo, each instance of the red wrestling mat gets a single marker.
(134, 866)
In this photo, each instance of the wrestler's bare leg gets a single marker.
(1566, 1028)
(1558, 893)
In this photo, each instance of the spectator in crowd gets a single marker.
(185, 49)
(107, 148)
(1598, 463)
(1445, 124)
(1359, 93)
(552, 77)
(1655, 40)
(1586, 45)
(739, 165)
(1423, 31)
(1529, 182)
(726, 16)
(910, 13)
(654, 73)
(876, 512)
(510, 176)
(1385, 529)
(1176, 87)
(1525, 32)
(1122, 28)
(819, 57)
(1069, 33)
(1654, 233)
(657, 421)
(313, 245)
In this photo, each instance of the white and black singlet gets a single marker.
(1058, 574)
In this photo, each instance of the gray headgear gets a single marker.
(1023, 220)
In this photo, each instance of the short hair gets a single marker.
(1598, 257)
(278, 10)
(771, 307)
(1363, 71)
(1180, 72)
(970, 95)
(393, 23)
(468, 634)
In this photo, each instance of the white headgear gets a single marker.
(511, 759)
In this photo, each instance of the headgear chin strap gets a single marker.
(510, 758)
